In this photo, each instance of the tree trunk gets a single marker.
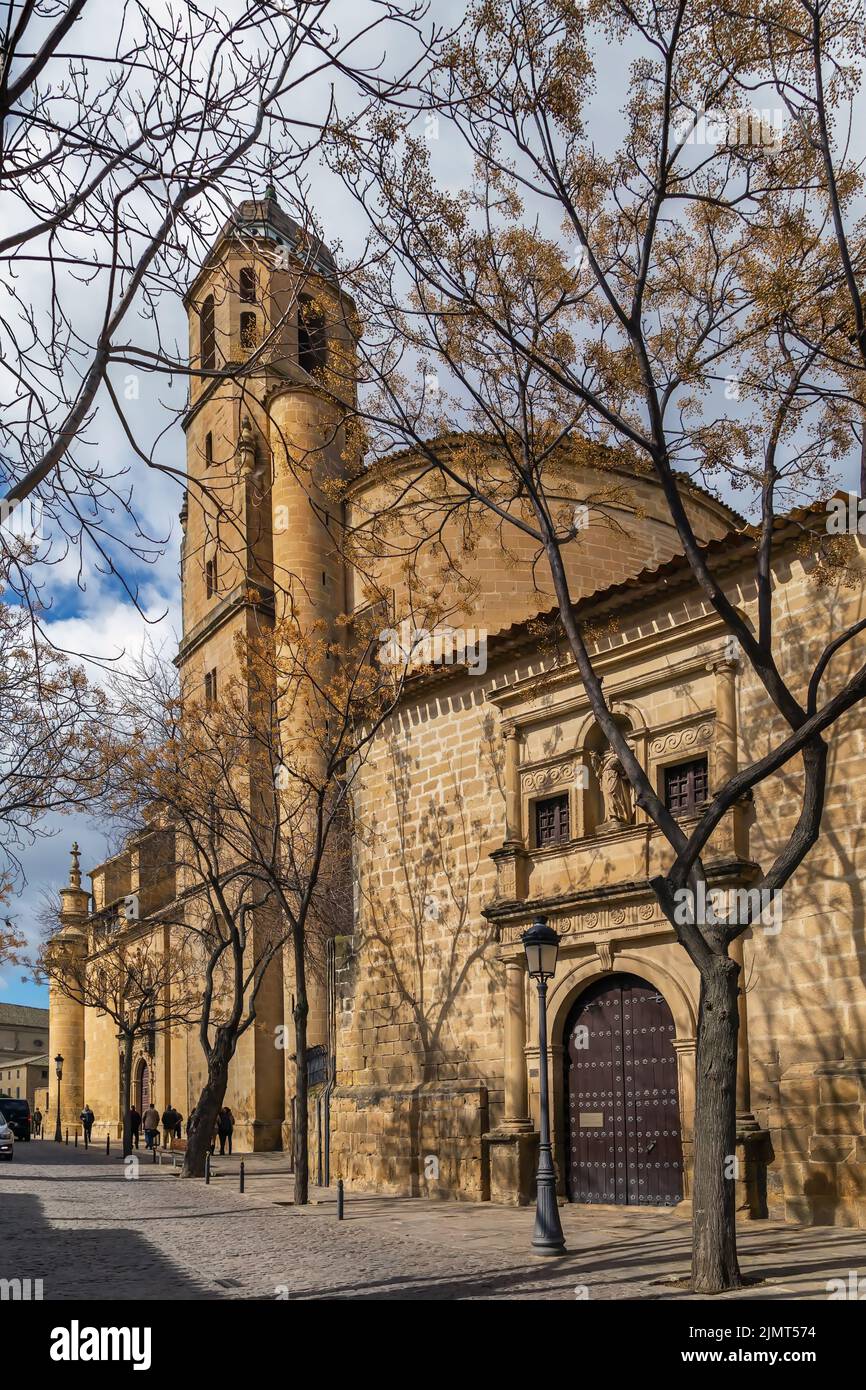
(203, 1120)
(300, 1129)
(126, 1094)
(714, 1258)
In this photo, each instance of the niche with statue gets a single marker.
(609, 804)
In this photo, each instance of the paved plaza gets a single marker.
(74, 1220)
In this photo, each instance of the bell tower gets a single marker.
(268, 330)
(67, 952)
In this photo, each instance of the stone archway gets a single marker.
(143, 1089)
(574, 976)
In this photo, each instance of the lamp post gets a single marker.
(58, 1067)
(541, 945)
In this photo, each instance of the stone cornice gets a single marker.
(223, 612)
(615, 909)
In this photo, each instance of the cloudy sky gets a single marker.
(90, 612)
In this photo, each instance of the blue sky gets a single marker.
(98, 619)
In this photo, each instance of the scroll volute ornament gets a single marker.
(604, 952)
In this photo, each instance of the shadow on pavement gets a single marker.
(86, 1263)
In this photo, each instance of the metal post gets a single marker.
(242, 1175)
(76, 1139)
(153, 1151)
(207, 1168)
(67, 1136)
(339, 1199)
(547, 1238)
(319, 1141)
(107, 1145)
(58, 1132)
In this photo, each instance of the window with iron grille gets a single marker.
(208, 450)
(247, 284)
(312, 335)
(210, 687)
(552, 821)
(317, 1065)
(208, 334)
(686, 786)
(210, 577)
(249, 331)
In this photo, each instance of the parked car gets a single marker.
(17, 1116)
(7, 1140)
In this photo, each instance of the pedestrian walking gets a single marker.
(134, 1124)
(87, 1117)
(168, 1123)
(225, 1127)
(37, 1122)
(150, 1122)
(178, 1132)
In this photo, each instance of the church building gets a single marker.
(490, 799)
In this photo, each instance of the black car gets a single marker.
(17, 1116)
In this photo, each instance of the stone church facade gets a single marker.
(485, 803)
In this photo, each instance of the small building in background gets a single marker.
(23, 1032)
(26, 1079)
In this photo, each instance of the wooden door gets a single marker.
(622, 1126)
(143, 1088)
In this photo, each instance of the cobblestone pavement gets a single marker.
(75, 1221)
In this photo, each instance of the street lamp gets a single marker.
(58, 1067)
(541, 945)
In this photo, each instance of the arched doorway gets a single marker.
(142, 1086)
(622, 1121)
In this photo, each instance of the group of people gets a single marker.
(172, 1123)
(172, 1126)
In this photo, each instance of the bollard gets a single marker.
(76, 1139)
(242, 1175)
(207, 1168)
(107, 1145)
(67, 1136)
(86, 1143)
(339, 1199)
(153, 1151)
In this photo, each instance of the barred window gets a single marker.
(552, 825)
(686, 786)
(210, 686)
(208, 334)
(210, 577)
(208, 450)
(312, 335)
(247, 284)
(249, 331)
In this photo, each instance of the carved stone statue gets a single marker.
(615, 790)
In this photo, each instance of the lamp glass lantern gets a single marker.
(58, 1066)
(541, 944)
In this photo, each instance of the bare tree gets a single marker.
(11, 942)
(51, 725)
(569, 299)
(258, 788)
(134, 975)
(127, 134)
